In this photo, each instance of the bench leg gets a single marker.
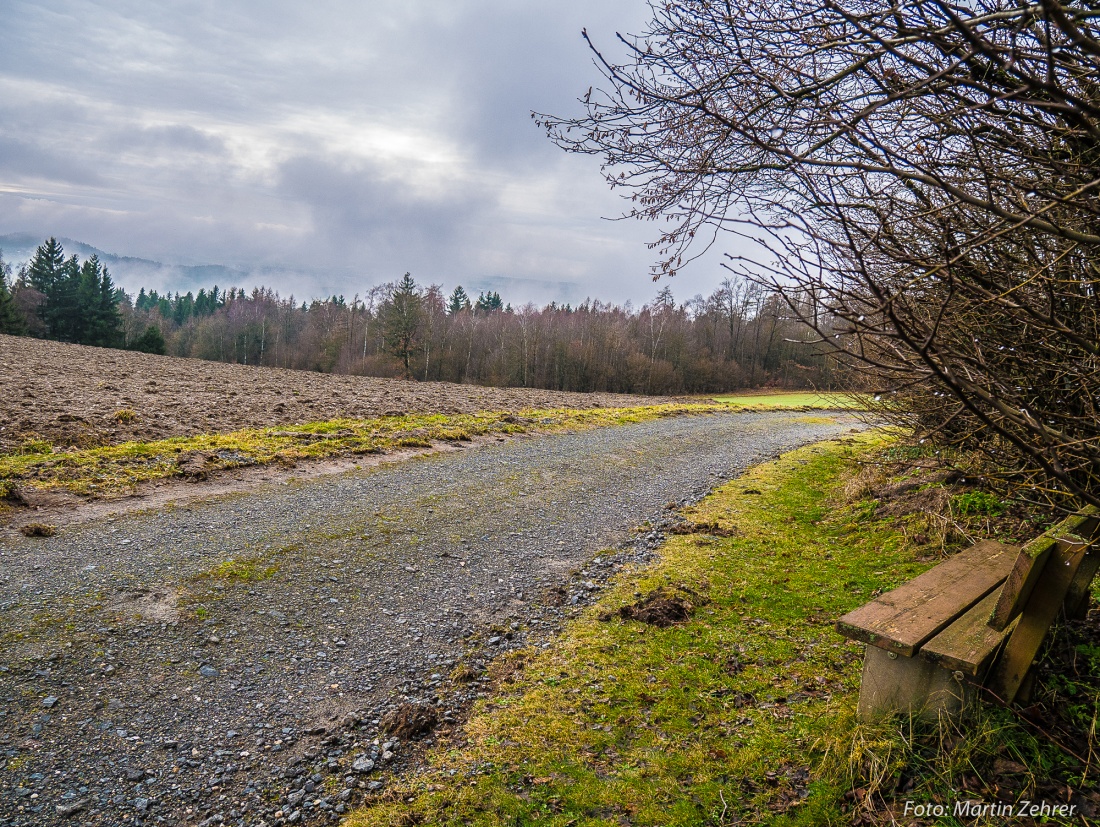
(907, 685)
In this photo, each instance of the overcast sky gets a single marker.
(350, 141)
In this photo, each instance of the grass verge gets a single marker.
(798, 401)
(118, 469)
(741, 714)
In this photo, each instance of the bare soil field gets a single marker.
(80, 396)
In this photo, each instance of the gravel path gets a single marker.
(144, 681)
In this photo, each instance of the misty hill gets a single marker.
(129, 272)
(132, 274)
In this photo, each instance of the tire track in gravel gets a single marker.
(145, 680)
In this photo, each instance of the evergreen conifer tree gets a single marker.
(151, 341)
(401, 318)
(62, 309)
(11, 320)
(488, 302)
(102, 324)
(458, 302)
(47, 266)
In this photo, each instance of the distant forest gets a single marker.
(741, 336)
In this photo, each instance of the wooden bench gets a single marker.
(973, 623)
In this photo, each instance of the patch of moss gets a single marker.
(796, 401)
(250, 570)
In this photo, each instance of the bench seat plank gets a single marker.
(905, 618)
(969, 644)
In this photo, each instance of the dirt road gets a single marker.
(228, 660)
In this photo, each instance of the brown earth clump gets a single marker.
(661, 608)
(409, 720)
(711, 528)
(38, 530)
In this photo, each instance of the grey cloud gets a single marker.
(368, 213)
(21, 159)
(178, 137)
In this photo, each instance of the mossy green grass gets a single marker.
(118, 469)
(799, 400)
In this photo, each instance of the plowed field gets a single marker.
(82, 396)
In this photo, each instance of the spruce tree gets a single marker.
(401, 318)
(458, 302)
(11, 320)
(62, 311)
(151, 341)
(488, 302)
(46, 267)
(104, 325)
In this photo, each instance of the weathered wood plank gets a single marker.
(1020, 581)
(903, 619)
(1029, 566)
(1042, 608)
(969, 644)
(1077, 595)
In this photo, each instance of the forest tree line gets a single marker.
(739, 336)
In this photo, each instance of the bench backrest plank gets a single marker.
(1031, 562)
(1036, 618)
(905, 618)
(969, 644)
(1077, 596)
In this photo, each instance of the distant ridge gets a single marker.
(133, 273)
(129, 272)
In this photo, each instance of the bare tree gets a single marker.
(926, 172)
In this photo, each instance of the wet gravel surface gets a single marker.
(146, 680)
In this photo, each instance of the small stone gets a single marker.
(374, 785)
(50, 702)
(208, 671)
(493, 641)
(141, 804)
(295, 797)
(387, 755)
(134, 775)
(71, 808)
(362, 764)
